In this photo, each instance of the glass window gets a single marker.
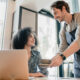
(3, 4)
(74, 6)
(79, 4)
(70, 4)
(47, 35)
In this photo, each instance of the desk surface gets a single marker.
(45, 78)
(54, 78)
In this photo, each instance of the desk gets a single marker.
(45, 78)
(54, 78)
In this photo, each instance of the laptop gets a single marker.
(13, 64)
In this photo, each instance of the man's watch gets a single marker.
(63, 57)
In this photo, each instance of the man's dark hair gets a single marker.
(60, 4)
(21, 38)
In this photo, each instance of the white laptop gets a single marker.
(13, 64)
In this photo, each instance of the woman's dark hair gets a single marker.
(21, 38)
(60, 4)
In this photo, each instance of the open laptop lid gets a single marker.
(13, 64)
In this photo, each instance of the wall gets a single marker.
(16, 15)
(8, 24)
(26, 19)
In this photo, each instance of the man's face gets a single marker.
(58, 14)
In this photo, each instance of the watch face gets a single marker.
(63, 57)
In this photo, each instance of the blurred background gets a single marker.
(17, 14)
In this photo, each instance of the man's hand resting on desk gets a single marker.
(56, 61)
(38, 74)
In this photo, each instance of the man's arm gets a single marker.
(57, 60)
(74, 47)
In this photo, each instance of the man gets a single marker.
(69, 36)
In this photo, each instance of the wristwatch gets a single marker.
(63, 57)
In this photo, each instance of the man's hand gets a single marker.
(56, 61)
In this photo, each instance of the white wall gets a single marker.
(37, 5)
(28, 18)
(8, 24)
(16, 15)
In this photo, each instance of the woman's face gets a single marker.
(31, 40)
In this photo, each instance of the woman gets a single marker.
(24, 39)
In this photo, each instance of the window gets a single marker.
(79, 4)
(70, 4)
(74, 5)
(3, 5)
(47, 35)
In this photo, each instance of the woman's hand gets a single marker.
(56, 61)
(38, 74)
